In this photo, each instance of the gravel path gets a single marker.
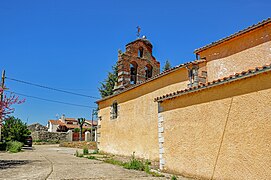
(53, 162)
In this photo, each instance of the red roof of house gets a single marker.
(73, 126)
(56, 122)
(71, 119)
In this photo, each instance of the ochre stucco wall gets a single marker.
(239, 54)
(135, 130)
(222, 132)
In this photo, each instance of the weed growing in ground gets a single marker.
(91, 157)
(14, 146)
(77, 154)
(141, 166)
(132, 164)
(96, 151)
(85, 151)
(113, 161)
(173, 177)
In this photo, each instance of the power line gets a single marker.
(54, 89)
(49, 100)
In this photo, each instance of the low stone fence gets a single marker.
(49, 136)
(79, 144)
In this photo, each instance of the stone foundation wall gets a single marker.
(49, 136)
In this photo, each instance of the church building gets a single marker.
(209, 118)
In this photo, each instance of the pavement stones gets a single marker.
(53, 162)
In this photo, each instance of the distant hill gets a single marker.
(37, 127)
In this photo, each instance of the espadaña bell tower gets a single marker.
(136, 64)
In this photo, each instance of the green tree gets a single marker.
(107, 86)
(14, 130)
(167, 65)
(81, 122)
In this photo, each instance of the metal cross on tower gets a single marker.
(138, 31)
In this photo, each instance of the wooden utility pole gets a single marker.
(2, 96)
(91, 132)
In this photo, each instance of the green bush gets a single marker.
(14, 146)
(14, 130)
(173, 178)
(3, 146)
(76, 130)
(85, 150)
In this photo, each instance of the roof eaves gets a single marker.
(153, 78)
(231, 78)
(250, 28)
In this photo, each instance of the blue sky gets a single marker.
(71, 45)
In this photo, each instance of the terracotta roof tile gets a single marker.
(56, 122)
(250, 28)
(236, 76)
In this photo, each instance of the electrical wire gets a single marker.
(54, 89)
(49, 100)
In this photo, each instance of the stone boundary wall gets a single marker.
(49, 136)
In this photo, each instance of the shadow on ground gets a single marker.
(27, 148)
(4, 164)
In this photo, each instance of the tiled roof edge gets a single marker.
(153, 78)
(250, 28)
(231, 78)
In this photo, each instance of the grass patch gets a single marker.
(85, 151)
(155, 174)
(96, 151)
(134, 163)
(14, 146)
(173, 177)
(77, 154)
(115, 162)
(91, 157)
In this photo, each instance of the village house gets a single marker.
(64, 124)
(208, 118)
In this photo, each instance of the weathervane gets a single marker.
(138, 31)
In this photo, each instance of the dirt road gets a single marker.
(53, 162)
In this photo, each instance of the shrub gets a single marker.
(3, 146)
(85, 150)
(76, 130)
(14, 130)
(14, 146)
(173, 178)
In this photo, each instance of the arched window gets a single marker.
(148, 71)
(140, 52)
(133, 73)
